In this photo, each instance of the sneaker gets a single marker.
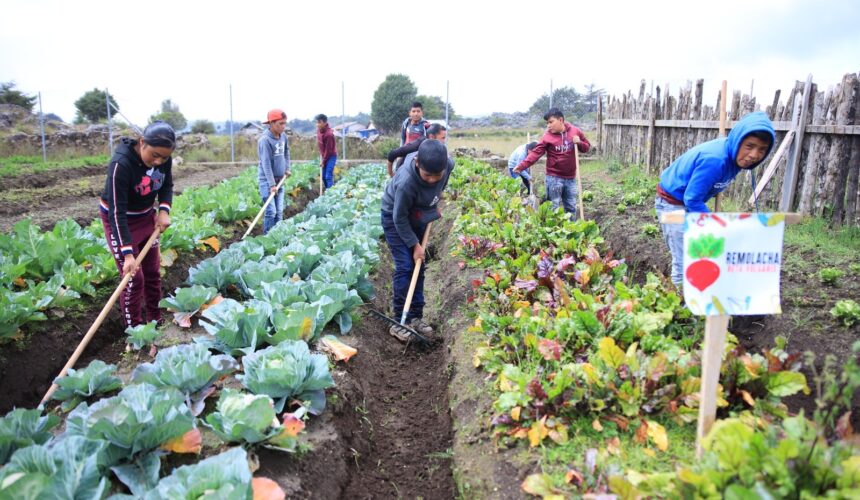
(399, 333)
(420, 326)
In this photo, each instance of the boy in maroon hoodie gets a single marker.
(328, 149)
(558, 143)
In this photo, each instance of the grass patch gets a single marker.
(499, 141)
(217, 148)
(556, 460)
(18, 165)
(840, 246)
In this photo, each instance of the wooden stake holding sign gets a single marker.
(723, 92)
(746, 258)
(101, 317)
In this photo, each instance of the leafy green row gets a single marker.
(567, 336)
(127, 433)
(308, 271)
(53, 269)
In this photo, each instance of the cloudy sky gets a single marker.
(497, 56)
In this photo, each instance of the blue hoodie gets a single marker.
(707, 169)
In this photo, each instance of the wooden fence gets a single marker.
(815, 172)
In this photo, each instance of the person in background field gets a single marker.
(435, 131)
(516, 157)
(274, 152)
(328, 149)
(558, 142)
(705, 170)
(413, 127)
(409, 203)
(138, 173)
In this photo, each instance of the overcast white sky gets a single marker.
(498, 56)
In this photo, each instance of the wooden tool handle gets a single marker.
(415, 273)
(101, 317)
(266, 204)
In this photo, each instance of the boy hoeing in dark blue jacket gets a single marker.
(409, 203)
(705, 170)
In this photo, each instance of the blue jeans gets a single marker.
(275, 209)
(403, 267)
(673, 235)
(562, 192)
(328, 172)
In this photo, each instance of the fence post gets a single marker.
(342, 114)
(600, 122)
(550, 92)
(649, 158)
(110, 122)
(42, 128)
(791, 170)
(447, 101)
(723, 94)
(232, 145)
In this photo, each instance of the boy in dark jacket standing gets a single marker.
(558, 142)
(409, 203)
(274, 153)
(328, 149)
(705, 170)
(138, 173)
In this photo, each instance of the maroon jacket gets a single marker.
(559, 150)
(326, 143)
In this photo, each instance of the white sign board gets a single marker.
(732, 263)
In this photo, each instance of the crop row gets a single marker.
(51, 270)
(566, 338)
(308, 271)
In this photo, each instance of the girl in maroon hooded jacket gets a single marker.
(138, 173)
(558, 143)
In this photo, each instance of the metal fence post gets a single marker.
(110, 122)
(232, 145)
(550, 92)
(42, 128)
(342, 115)
(447, 103)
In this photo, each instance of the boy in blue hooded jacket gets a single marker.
(705, 170)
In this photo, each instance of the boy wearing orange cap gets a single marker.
(274, 152)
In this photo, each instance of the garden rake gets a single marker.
(421, 340)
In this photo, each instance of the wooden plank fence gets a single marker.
(817, 174)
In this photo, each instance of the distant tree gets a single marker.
(170, 113)
(92, 108)
(51, 117)
(203, 127)
(361, 117)
(434, 107)
(224, 127)
(592, 94)
(302, 126)
(10, 95)
(391, 102)
(567, 99)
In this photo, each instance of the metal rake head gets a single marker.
(414, 336)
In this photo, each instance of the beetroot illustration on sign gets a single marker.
(703, 272)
